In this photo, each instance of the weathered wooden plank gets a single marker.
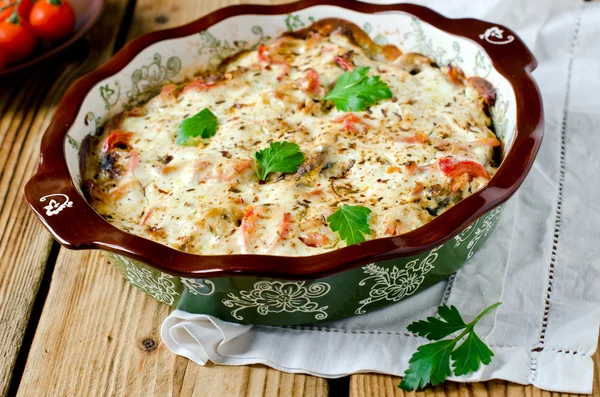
(367, 385)
(152, 15)
(248, 381)
(97, 336)
(95, 329)
(24, 245)
(27, 102)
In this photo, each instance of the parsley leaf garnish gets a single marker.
(468, 355)
(278, 157)
(430, 364)
(354, 90)
(202, 124)
(351, 222)
(436, 329)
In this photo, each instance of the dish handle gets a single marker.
(503, 45)
(64, 212)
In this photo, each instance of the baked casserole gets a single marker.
(385, 139)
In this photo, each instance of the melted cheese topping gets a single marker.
(207, 199)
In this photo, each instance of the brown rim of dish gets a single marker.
(80, 227)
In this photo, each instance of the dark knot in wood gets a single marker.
(148, 345)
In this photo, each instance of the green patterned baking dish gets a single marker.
(275, 290)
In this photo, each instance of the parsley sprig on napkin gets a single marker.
(431, 362)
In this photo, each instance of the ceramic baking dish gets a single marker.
(263, 289)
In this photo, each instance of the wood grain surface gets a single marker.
(70, 325)
(26, 105)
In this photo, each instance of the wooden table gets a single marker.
(70, 325)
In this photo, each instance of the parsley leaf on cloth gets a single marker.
(351, 222)
(278, 157)
(354, 90)
(202, 124)
(436, 329)
(430, 364)
(468, 355)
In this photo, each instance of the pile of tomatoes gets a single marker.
(25, 23)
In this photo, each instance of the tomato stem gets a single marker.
(55, 2)
(14, 18)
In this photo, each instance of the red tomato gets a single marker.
(452, 168)
(315, 240)
(52, 20)
(2, 61)
(343, 63)
(419, 137)
(24, 9)
(285, 225)
(118, 139)
(249, 222)
(263, 53)
(350, 121)
(313, 81)
(17, 40)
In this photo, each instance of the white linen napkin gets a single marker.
(543, 262)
